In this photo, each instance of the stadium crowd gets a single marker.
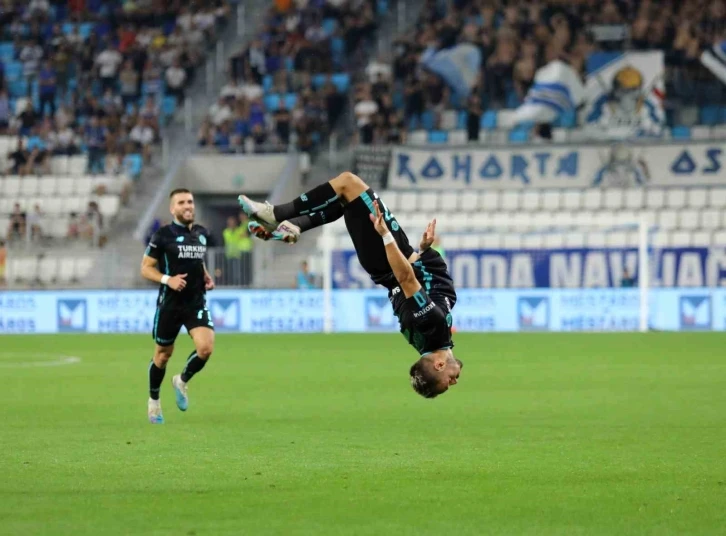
(97, 76)
(290, 85)
(516, 38)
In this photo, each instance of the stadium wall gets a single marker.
(361, 310)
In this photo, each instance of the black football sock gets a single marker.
(156, 376)
(316, 199)
(194, 365)
(329, 214)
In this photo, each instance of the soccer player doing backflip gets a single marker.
(420, 288)
(174, 258)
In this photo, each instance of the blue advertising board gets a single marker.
(477, 310)
(560, 268)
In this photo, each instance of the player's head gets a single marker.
(181, 206)
(434, 373)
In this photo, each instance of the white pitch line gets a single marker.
(51, 360)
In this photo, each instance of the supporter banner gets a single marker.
(714, 59)
(624, 96)
(561, 268)
(368, 310)
(557, 89)
(458, 66)
(559, 166)
(231, 174)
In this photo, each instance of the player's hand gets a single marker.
(428, 237)
(378, 222)
(178, 282)
(208, 281)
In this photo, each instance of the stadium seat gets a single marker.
(531, 200)
(490, 240)
(73, 204)
(109, 205)
(571, 200)
(675, 198)
(330, 25)
(390, 198)
(341, 82)
(168, 106)
(709, 115)
(77, 165)
(271, 102)
(554, 240)
(458, 137)
(668, 219)
(449, 202)
(66, 269)
(409, 200)
(616, 239)
(7, 52)
(65, 186)
(428, 202)
(533, 241)
(12, 187)
(267, 82)
(688, 219)
(438, 136)
(719, 238)
(696, 197)
(290, 100)
(634, 198)
(613, 199)
(680, 239)
(519, 135)
(427, 120)
(681, 132)
(574, 239)
(700, 239)
(28, 186)
(512, 241)
(469, 201)
(488, 120)
(655, 199)
(717, 197)
(448, 120)
(710, 219)
(510, 201)
(551, 200)
(701, 133)
(59, 165)
(596, 239)
(461, 120)
(47, 268)
(83, 185)
(560, 135)
(490, 201)
(47, 186)
(418, 137)
(592, 199)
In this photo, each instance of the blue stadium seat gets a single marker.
(427, 120)
(681, 133)
(13, 70)
(382, 7)
(438, 136)
(290, 100)
(512, 100)
(133, 164)
(519, 135)
(289, 64)
(7, 52)
(568, 119)
(341, 81)
(18, 87)
(271, 102)
(413, 122)
(319, 80)
(267, 83)
(398, 100)
(329, 26)
(337, 49)
(489, 120)
(709, 115)
(722, 115)
(461, 120)
(168, 105)
(455, 100)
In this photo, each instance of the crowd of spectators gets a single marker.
(518, 37)
(288, 86)
(97, 76)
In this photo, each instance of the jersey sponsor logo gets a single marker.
(533, 312)
(225, 313)
(202, 240)
(72, 315)
(180, 239)
(191, 252)
(395, 291)
(695, 312)
(424, 311)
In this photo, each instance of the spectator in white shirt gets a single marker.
(378, 67)
(108, 63)
(251, 90)
(176, 77)
(219, 112)
(231, 90)
(143, 135)
(30, 56)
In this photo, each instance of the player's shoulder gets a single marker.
(200, 229)
(165, 231)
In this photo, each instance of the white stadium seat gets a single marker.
(77, 165)
(680, 239)
(554, 240)
(510, 201)
(531, 200)
(593, 199)
(66, 269)
(47, 269)
(718, 198)
(676, 198)
(47, 186)
(83, 267)
(469, 201)
(12, 187)
(697, 197)
(428, 202)
(408, 200)
(551, 200)
(533, 241)
(83, 185)
(700, 132)
(634, 198)
(655, 199)
(65, 186)
(390, 198)
(614, 199)
(710, 219)
(719, 238)
(73, 204)
(449, 201)
(574, 239)
(109, 205)
(701, 239)
(491, 240)
(668, 219)
(6, 207)
(596, 239)
(571, 200)
(451, 241)
(418, 137)
(512, 241)
(489, 201)
(470, 241)
(28, 186)
(458, 137)
(448, 119)
(59, 165)
(689, 219)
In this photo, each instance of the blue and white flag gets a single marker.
(458, 66)
(714, 59)
(557, 90)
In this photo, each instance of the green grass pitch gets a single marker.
(547, 434)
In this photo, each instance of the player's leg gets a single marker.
(166, 329)
(201, 329)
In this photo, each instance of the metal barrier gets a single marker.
(230, 271)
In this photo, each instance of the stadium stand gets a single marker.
(85, 89)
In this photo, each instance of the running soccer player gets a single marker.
(419, 286)
(174, 258)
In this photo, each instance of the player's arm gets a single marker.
(150, 268)
(402, 270)
(208, 280)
